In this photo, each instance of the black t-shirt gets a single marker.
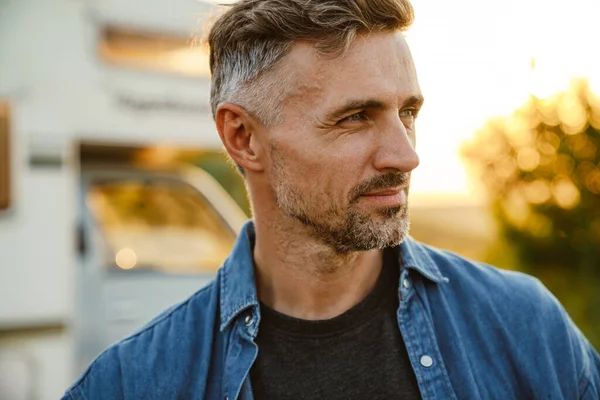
(357, 355)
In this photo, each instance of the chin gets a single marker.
(398, 233)
(379, 235)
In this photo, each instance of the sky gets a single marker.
(474, 62)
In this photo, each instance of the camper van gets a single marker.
(102, 224)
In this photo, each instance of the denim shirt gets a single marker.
(472, 332)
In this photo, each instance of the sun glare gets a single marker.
(479, 59)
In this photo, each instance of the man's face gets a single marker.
(341, 158)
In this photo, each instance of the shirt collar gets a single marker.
(415, 256)
(237, 282)
(238, 287)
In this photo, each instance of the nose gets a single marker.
(396, 149)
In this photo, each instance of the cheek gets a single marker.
(319, 175)
(296, 165)
(353, 156)
(323, 166)
(340, 173)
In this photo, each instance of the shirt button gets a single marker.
(406, 283)
(426, 361)
(249, 320)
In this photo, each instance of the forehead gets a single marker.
(377, 66)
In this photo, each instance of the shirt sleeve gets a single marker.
(73, 394)
(571, 353)
(102, 379)
(590, 377)
(587, 360)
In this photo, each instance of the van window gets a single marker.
(4, 157)
(152, 51)
(158, 224)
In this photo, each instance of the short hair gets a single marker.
(252, 36)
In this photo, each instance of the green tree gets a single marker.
(541, 170)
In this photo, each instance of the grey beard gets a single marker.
(358, 232)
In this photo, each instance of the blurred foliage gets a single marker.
(541, 170)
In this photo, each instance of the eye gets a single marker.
(408, 113)
(356, 117)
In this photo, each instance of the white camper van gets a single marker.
(99, 230)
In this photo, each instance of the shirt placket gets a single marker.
(239, 363)
(419, 339)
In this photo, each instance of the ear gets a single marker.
(237, 130)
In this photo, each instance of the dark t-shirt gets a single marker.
(357, 355)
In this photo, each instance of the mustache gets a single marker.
(380, 182)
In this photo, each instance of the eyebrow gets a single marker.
(416, 100)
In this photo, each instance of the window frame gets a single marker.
(5, 157)
(107, 253)
(152, 51)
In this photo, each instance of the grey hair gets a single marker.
(251, 37)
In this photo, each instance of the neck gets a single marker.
(299, 276)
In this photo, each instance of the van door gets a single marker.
(148, 241)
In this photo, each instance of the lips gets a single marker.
(385, 192)
(386, 197)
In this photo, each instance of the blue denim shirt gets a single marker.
(471, 331)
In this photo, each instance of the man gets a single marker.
(325, 296)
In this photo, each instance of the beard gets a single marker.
(343, 228)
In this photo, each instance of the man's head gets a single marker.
(315, 101)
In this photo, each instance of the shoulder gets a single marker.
(488, 282)
(519, 312)
(164, 347)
